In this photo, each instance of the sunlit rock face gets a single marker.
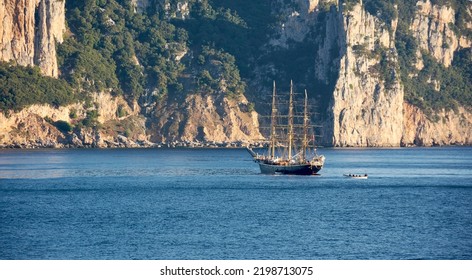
(29, 31)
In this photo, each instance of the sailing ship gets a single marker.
(288, 151)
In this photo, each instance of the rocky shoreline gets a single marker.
(130, 144)
(174, 144)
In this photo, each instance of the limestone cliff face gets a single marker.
(451, 128)
(28, 128)
(118, 125)
(205, 118)
(365, 109)
(29, 34)
(17, 32)
(349, 46)
(50, 29)
(367, 104)
(196, 120)
(29, 30)
(433, 27)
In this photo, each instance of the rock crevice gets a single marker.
(29, 31)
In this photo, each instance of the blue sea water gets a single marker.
(214, 204)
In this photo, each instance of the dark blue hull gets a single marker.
(296, 169)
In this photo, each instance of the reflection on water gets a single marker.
(119, 163)
(215, 204)
(378, 163)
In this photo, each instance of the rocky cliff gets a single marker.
(450, 128)
(433, 26)
(197, 121)
(354, 47)
(116, 125)
(49, 31)
(366, 109)
(17, 31)
(297, 20)
(348, 54)
(366, 105)
(205, 118)
(436, 29)
(29, 31)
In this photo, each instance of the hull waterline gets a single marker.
(297, 169)
(290, 162)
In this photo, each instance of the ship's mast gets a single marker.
(305, 128)
(290, 122)
(272, 126)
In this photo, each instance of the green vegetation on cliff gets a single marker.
(114, 48)
(434, 87)
(130, 53)
(110, 47)
(219, 48)
(22, 86)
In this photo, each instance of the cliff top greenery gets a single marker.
(21, 86)
(455, 82)
(219, 48)
(421, 90)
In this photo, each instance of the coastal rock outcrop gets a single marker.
(449, 127)
(111, 122)
(367, 105)
(351, 56)
(367, 102)
(205, 118)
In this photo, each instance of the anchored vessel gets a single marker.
(289, 144)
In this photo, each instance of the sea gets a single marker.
(199, 204)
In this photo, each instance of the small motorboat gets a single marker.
(356, 176)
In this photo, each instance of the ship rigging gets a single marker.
(288, 152)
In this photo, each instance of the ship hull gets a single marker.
(297, 169)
